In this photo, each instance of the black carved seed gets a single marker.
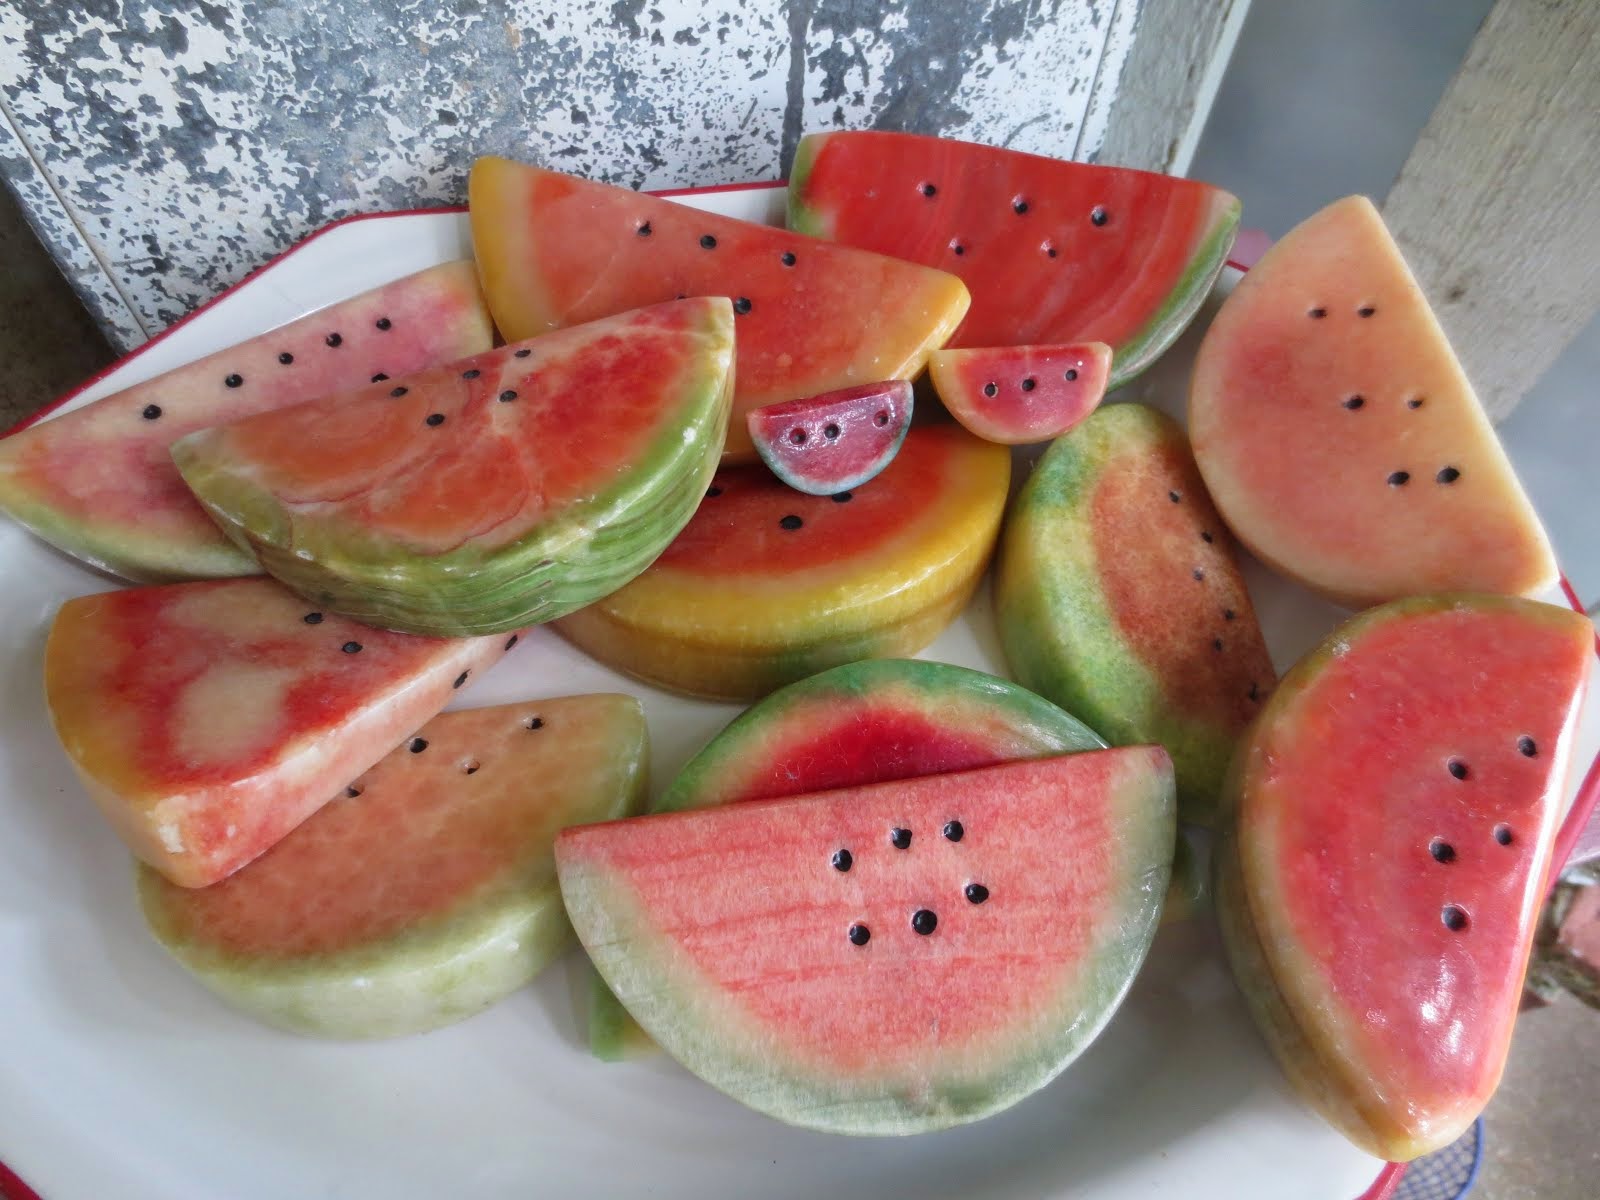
(830, 431)
(1354, 402)
(384, 323)
(843, 497)
(511, 641)
(471, 373)
(1454, 918)
(958, 248)
(352, 791)
(1366, 310)
(234, 381)
(435, 419)
(954, 831)
(312, 618)
(286, 358)
(397, 392)
(1414, 402)
(1317, 313)
(1050, 251)
(1199, 574)
(976, 893)
(1502, 834)
(507, 396)
(842, 860)
(1174, 497)
(1255, 692)
(991, 389)
(1447, 475)
(713, 491)
(1457, 768)
(797, 436)
(880, 417)
(151, 412)
(860, 935)
(791, 522)
(1206, 537)
(1442, 851)
(523, 353)
(1028, 385)
(924, 921)
(1098, 215)
(900, 838)
(1526, 746)
(379, 377)
(334, 339)
(461, 679)
(418, 745)
(928, 190)
(644, 230)
(534, 723)
(1399, 478)
(351, 647)
(1019, 206)
(1228, 614)
(742, 305)
(1072, 374)
(787, 259)
(707, 242)
(1216, 644)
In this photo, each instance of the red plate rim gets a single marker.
(1383, 1187)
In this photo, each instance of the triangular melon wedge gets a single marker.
(98, 482)
(209, 719)
(1392, 815)
(554, 250)
(1339, 435)
(427, 891)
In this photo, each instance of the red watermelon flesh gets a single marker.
(827, 444)
(1395, 807)
(889, 959)
(1018, 394)
(98, 482)
(554, 250)
(209, 719)
(1051, 251)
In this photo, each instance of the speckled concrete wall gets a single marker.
(162, 148)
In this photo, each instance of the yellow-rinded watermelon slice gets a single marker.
(554, 250)
(1392, 817)
(209, 719)
(888, 959)
(1340, 437)
(98, 482)
(426, 891)
(1052, 251)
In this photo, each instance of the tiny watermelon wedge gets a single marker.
(1118, 597)
(890, 959)
(1051, 251)
(827, 444)
(494, 493)
(1019, 394)
(209, 719)
(864, 722)
(554, 250)
(425, 894)
(1381, 877)
(1326, 374)
(99, 484)
(767, 585)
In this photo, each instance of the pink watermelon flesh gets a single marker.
(888, 959)
(831, 443)
(209, 719)
(1396, 804)
(98, 482)
(1018, 394)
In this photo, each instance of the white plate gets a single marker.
(120, 1077)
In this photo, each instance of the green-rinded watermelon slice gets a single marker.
(98, 482)
(1326, 374)
(1052, 251)
(1118, 597)
(494, 493)
(827, 444)
(1019, 394)
(427, 892)
(209, 719)
(1394, 809)
(889, 959)
(767, 585)
(554, 250)
(861, 723)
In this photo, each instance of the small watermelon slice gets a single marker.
(1394, 809)
(425, 894)
(1117, 596)
(1052, 251)
(493, 493)
(209, 719)
(99, 484)
(1018, 394)
(1325, 374)
(767, 585)
(864, 722)
(554, 250)
(889, 959)
(831, 443)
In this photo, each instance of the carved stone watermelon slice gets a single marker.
(861, 723)
(98, 482)
(1339, 435)
(1118, 597)
(209, 719)
(427, 891)
(827, 444)
(1393, 812)
(889, 959)
(1019, 394)
(554, 250)
(1052, 251)
(767, 585)
(493, 493)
